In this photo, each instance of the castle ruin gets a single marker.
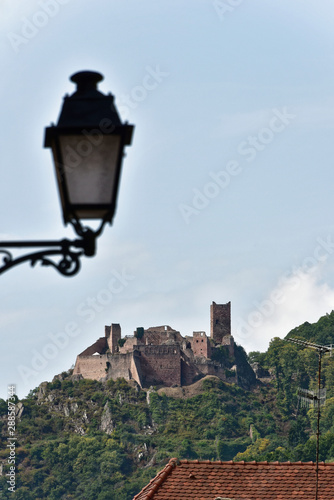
(161, 356)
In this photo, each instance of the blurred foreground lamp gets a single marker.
(87, 146)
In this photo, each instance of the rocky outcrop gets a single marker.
(107, 424)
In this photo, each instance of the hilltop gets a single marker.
(104, 440)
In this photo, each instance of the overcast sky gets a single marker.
(226, 193)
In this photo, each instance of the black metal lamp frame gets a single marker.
(86, 109)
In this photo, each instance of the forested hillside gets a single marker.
(88, 440)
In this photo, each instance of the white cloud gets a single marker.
(299, 297)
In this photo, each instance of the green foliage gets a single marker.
(139, 333)
(297, 434)
(321, 332)
(121, 342)
(3, 407)
(220, 354)
(54, 385)
(257, 357)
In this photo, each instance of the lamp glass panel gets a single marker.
(90, 165)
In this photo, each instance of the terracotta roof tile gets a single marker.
(205, 480)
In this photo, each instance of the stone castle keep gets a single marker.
(161, 355)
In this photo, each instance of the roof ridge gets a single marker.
(158, 480)
(243, 462)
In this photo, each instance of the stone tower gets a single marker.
(201, 344)
(220, 321)
(113, 334)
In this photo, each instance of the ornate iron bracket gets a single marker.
(69, 263)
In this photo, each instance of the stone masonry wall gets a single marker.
(110, 366)
(189, 371)
(93, 367)
(135, 368)
(121, 365)
(160, 365)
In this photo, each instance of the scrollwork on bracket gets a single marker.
(68, 265)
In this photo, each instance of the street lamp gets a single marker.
(87, 145)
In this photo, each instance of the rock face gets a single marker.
(42, 390)
(76, 415)
(19, 410)
(107, 424)
(148, 394)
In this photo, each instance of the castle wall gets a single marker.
(136, 371)
(160, 365)
(92, 367)
(189, 371)
(125, 366)
(149, 365)
(220, 321)
(121, 366)
(212, 368)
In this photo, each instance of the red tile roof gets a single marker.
(206, 480)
